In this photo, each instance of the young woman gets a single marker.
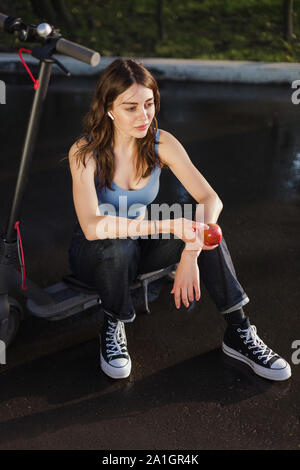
(115, 166)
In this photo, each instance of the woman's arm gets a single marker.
(209, 205)
(173, 154)
(187, 279)
(110, 226)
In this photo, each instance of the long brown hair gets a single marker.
(98, 127)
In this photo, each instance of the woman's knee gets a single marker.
(108, 253)
(118, 261)
(120, 250)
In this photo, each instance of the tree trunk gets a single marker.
(64, 13)
(52, 11)
(288, 19)
(44, 10)
(160, 19)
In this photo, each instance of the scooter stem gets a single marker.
(28, 148)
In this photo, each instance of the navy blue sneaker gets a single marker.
(242, 343)
(114, 357)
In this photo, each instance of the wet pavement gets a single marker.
(183, 393)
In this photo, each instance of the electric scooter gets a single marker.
(70, 296)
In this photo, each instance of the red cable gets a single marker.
(23, 286)
(36, 82)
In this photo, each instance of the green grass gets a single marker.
(200, 29)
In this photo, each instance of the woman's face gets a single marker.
(133, 108)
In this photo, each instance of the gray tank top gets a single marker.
(129, 203)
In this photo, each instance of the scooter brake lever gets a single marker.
(61, 66)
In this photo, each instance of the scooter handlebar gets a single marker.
(82, 53)
(69, 48)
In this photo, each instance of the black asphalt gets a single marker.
(183, 393)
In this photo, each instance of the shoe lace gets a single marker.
(115, 339)
(257, 344)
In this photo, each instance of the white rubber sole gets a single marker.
(271, 374)
(115, 372)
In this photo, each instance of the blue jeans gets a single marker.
(111, 266)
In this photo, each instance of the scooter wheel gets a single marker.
(14, 320)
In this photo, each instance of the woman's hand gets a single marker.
(191, 232)
(187, 280)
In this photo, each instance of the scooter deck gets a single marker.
(72, 296)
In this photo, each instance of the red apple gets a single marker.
(213, 235)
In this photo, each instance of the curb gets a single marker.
(173, 69)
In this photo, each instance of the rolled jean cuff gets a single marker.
(240, 304)
(124, 318)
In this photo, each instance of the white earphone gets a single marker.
(110, 115)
